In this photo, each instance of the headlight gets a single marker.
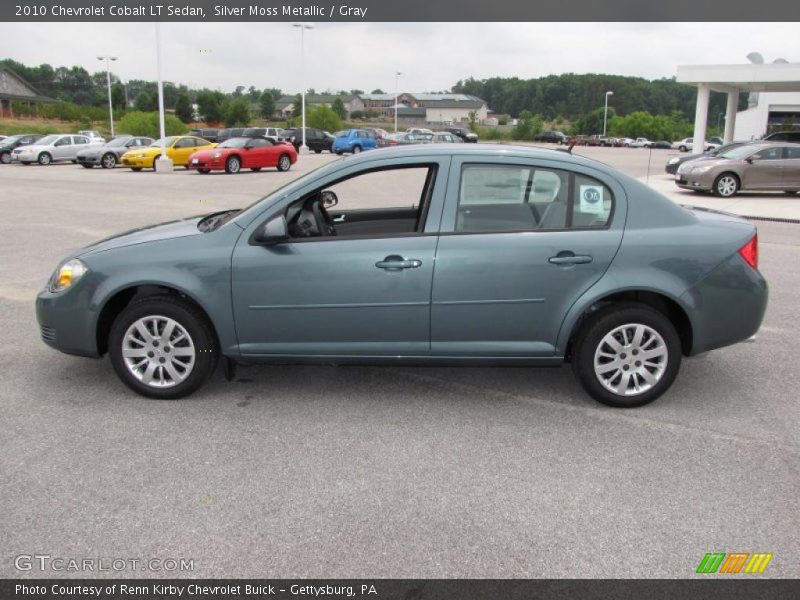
(672, 161)
(699, 170)
(140, 155)
(67, 274)
(217, 154)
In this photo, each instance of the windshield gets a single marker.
(48, 139)
(740, 152)
(238, 142)
(119, 141)
(168, 141)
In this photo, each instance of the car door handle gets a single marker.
(395, 263)
(569, 258)
(340, 219)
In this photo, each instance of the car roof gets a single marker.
(509, 150)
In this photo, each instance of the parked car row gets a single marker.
(235, 154)
(54, 148)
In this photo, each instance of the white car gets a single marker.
(53, 148)
(641, 142)
(626, 142)
(683, 145)
(93, 135)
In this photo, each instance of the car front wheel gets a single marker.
(726, 185)
(233, 165)
(109, 161)
(45, 158)
(626, 355)
(5, 158)
(284, 163)
(162, 347)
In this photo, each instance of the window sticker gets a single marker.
(591, 199)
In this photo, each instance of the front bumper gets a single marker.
(212, 165)
(66, 324)
(88, 160)
(137, 163)
(687, 181)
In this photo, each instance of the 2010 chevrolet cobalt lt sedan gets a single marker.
(434, 254)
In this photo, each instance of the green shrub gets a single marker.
(324, 118)
(142, 123)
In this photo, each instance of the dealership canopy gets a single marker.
(779, 77)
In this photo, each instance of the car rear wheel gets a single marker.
(137, 169)
(318, 151)
(162, 347)
(45, 158)
(233, 165)
(726, 185)
(109, 161)
(626, 355)
(284, 162)
(790, 192)
(5, 158)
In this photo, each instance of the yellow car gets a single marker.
(179, 148)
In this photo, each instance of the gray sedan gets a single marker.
(767, 166)
(434, 254)
(108, 155)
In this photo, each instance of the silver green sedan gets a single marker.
(767, 166)
(434, 254)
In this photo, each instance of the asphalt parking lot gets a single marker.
(378, 472)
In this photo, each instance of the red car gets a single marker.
(235, 154)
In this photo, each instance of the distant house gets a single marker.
(14, 88)
(284, 106)
(439, 108)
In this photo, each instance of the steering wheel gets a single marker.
(312, 220)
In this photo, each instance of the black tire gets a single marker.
(204, 171)
(284, 162)
(318, 151)
(108, 161)
(356, 149)
(339, 152)
(45, 158)
(74, 162)
(683, 149)
(255, 169)
(5, 158)
(87, 166)
(790, 192)
(154, 161)
(724, 183)
(191, 319)
(603, 322)
(136, 169)
(233, 165)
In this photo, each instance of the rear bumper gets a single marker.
(728, 305)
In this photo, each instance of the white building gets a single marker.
(773, 109)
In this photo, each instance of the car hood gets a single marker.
(147, 150)
(209, 153)
(154, 233)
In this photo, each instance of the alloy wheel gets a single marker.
(158, 351)
(285, 163)
(109, 161)
(726, 186)
(5, 158)
(630, 359)
(233, 165)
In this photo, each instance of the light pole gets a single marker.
(303, 27)
(605, 113)
(164, 163)
(396, 102)
(108, 82)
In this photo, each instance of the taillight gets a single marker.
(749, 252)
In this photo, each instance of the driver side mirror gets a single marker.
(749, 160)
(329, 199)
(272, 232)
